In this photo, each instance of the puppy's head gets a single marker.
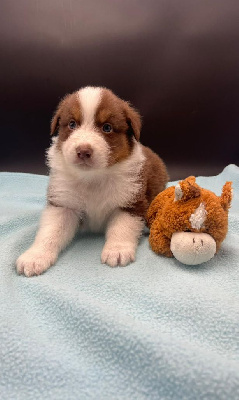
(96, 129)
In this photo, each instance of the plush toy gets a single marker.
(189, 222)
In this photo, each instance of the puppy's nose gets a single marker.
(84, 151)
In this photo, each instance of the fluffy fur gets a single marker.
(101, 179)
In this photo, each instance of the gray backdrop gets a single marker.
(176, 61)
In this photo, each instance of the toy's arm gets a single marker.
(159, 242)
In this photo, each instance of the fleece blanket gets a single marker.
(155, 329)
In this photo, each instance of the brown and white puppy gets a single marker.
(101, 178)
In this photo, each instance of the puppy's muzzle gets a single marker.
(84, 152)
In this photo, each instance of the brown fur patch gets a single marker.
(67, 110)
(154, 178)
(133, 119)
(116, 112)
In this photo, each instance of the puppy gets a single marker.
(101, 179)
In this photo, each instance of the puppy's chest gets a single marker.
(97, 199)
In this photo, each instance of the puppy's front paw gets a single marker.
(121, 254)
(35, 261)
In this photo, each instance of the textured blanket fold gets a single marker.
(155, 329)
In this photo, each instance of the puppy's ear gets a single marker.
(56, 117)
(55, 123)
(133, 119)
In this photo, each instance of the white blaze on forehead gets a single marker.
(198, 218)
(89, 98)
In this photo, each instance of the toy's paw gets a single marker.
(35, 261)
(120, 254)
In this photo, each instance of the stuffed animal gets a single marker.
(189, 222)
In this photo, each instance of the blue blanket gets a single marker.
(154, 330)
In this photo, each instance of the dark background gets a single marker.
(176, 61)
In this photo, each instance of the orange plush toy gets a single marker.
(189, 222)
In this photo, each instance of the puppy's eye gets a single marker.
(72, 124)
(107, 128)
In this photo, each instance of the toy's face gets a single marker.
(192, 248)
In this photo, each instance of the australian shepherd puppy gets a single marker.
(101, 179)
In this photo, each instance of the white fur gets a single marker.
(85, 136)
(57, 227)
(89, 98)
(123, 232)
(95, 194)
(198, 218)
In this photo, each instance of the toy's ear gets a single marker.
(187, 189)
(191, 180)
(226, 196)
(133, 119)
